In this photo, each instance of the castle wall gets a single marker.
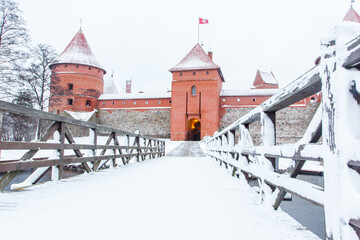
(291, 122)
(153, 123)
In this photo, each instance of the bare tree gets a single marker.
(13, 38)
(37, 75)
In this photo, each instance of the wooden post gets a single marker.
(268, 123)
(340, 128)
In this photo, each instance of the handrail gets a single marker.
(136, 146)
(337, 77)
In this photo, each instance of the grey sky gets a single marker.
(142, 40)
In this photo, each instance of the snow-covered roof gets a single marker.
(78, 52)
(196, 59)
(109, 86)
(352, 16)
(268, 77)
(82, 116)
(148, 95)
(248, 92)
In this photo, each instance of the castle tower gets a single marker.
(195, 96)
(76, 79)
(352, 16)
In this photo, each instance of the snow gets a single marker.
(78, 52)
(148, 95)
(82, 116)
(163, 198)
(268, 77)
(248, 92)
(109, 86)
(196, 59)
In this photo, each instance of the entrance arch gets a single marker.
(193, 130)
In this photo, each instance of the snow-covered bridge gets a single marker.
(173, 197)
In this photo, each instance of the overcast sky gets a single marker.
(142, 40)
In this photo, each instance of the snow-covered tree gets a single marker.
(13, 39)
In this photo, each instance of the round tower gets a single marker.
(77, 78)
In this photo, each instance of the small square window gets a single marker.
(181, 74)
(146, 102)
(103, 103)
(70, 101)
(123, 103)
(194, 73)
(134, 102)
(254, 99)
(113, 103)
(70, 86)
(223, 100)
(89, 68)
(77, 66)
(238, 99)
(88, 103)
(207, 72)
(66, 65)
(159, 102)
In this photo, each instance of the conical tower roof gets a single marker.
(352, 16)
(196, 59)
(78, 52)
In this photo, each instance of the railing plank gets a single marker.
(23, 165)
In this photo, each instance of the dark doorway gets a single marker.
(193, 130)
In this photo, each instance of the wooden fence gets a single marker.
(120, 147)
(332, 137)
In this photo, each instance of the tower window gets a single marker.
(146, 102)
(193, 91)
(88, 103)
(70, 101)
(181, 74)
(194, 73)
(254, 99)
(238, 100)
(89, 68)
(66, 65)
(207, 72)
(123, 103)
(113, 103)
(134, 102)
(159, 102)
(70, 86)
(77, 66)
(103, 103)
(223, 100)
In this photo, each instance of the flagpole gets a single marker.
(198, 29)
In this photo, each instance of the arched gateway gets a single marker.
(193, 130)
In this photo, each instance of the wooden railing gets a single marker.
(332, 138)
(119, 147)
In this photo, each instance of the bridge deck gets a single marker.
(172, 197)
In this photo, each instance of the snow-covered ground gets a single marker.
(164, 198)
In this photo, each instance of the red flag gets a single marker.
(203, 21)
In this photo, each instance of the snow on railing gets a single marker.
(56, 149)
(332, 137)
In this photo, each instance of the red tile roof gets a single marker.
(352, 16)
(196, 59)
(78, 52)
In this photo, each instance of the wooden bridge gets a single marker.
(331, 138)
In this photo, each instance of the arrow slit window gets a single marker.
(193, 91)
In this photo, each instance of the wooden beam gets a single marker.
(7, 178)
(30, 112)
(355, 224)
(23, 165)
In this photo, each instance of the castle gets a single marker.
(196, 106)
